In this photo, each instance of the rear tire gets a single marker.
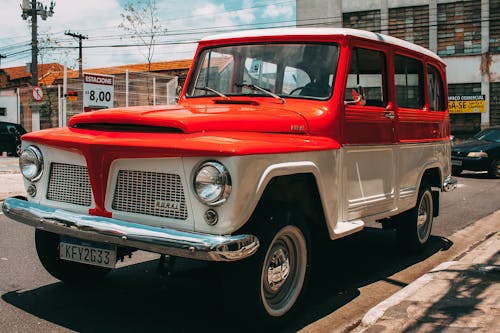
(47, 248)
(414, 226)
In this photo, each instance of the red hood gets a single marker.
(202, 118)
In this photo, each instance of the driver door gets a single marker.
(369, 136)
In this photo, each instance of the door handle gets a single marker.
(390, 114)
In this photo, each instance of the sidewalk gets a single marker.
(11, 180)
(456, 296)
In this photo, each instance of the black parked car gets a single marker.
(480, 153)
(10, 137)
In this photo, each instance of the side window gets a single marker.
(409, 82)
(367, 72)
(436, 91)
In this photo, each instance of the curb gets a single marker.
(468, 256)
(375, 313)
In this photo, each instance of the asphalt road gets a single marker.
(354, 274)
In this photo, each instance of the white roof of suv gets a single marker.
(322, 32)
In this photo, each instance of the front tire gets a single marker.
(47, 248)
(283, 271)
(494, 170)
(415, 226)
(272, 282)
(17, 151)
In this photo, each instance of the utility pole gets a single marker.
(2, 56)
(80, 37)
(32, 9)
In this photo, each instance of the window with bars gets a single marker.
(365, 20)
(459, 28)
(494, 26)
(495, 103)
(410, 24)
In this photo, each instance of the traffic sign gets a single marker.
(37, 93)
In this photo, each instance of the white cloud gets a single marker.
(78, 16)
(186, 20)
(211, 15)
(277, 11)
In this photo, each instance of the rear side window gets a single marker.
(436, 90)
(367, 69)
(409, 82)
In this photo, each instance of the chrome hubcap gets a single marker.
(278, 270)
(424, 218)
(284, 270)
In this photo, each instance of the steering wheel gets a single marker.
(296, 89)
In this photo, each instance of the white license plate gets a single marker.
(86, 252)
(456, 162)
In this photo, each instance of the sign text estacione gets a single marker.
(98, 92)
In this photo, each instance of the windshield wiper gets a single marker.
(212, 90)
(254, 87)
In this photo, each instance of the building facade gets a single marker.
(466, 34)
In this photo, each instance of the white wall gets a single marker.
(463, 69)
(9, 100)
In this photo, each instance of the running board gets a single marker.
(346, 228)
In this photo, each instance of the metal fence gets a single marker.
(130, 89)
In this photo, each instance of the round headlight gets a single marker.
(31, 163)
(212, 183)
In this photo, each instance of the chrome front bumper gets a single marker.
(123, 233)
(449, 184)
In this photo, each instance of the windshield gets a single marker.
(491, 134)
(285, 70)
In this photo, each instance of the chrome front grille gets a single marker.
(150, 193)
(69, 183)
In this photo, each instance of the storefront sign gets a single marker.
(466, 104)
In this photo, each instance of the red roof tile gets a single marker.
(20, 72)
(48, 73)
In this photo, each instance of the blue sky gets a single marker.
(186, 21)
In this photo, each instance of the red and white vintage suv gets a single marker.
(281, 139)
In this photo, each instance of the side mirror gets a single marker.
(359, 96)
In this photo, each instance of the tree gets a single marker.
(141, 21)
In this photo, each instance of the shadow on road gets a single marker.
(136, 299)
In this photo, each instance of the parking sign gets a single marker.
(98, 91)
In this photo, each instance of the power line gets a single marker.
(283, 23)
